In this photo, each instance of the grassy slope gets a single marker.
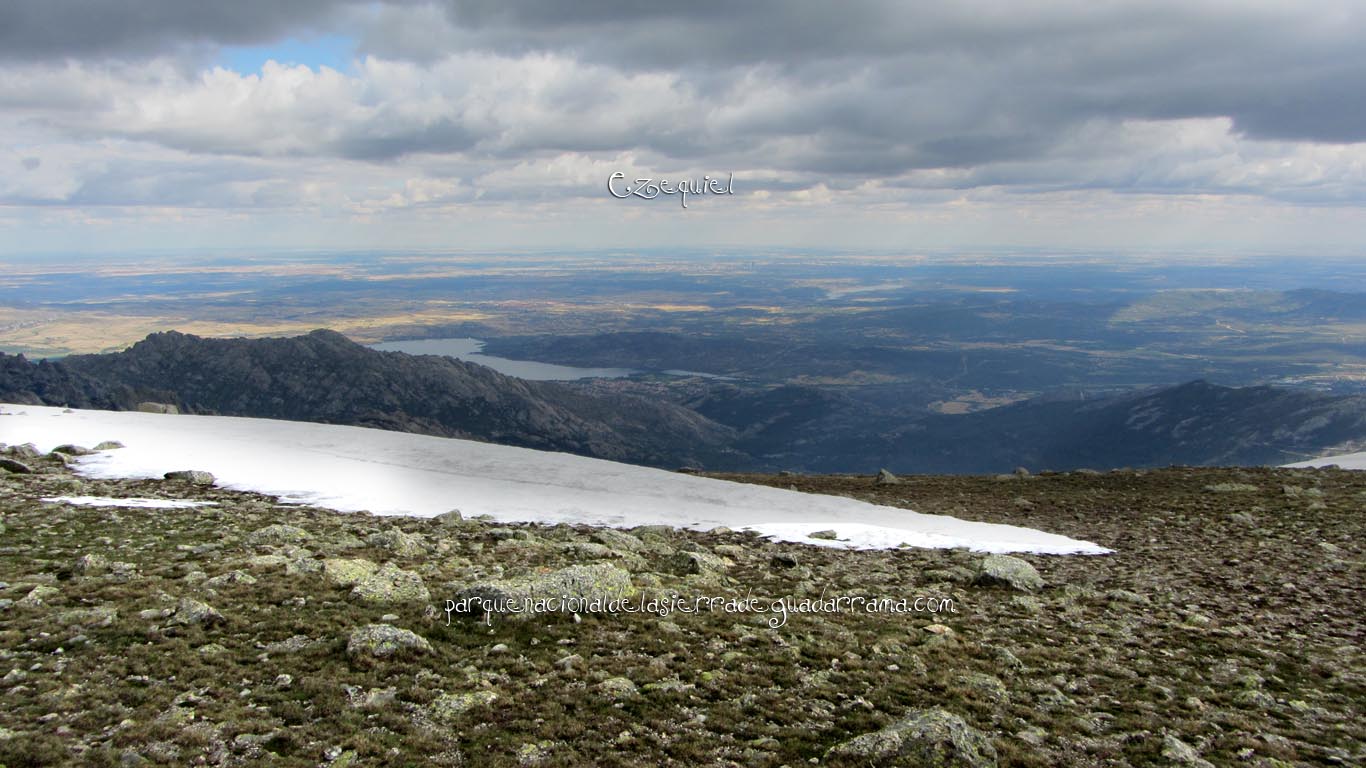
(1231, 619)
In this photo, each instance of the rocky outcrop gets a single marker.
(384, 640)
(931, 737)
(1007, 571)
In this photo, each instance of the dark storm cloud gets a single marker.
(1284, 71)
(932, 94)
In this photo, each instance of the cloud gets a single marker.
(863, 103)
(83, 29)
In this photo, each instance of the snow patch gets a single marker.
(394, 473)
(131, 502)
(1345, 461)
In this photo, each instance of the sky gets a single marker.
(1234, 125)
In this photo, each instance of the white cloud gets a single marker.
(909, 112)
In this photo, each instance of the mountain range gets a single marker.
(324, 377)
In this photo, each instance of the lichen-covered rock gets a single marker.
(267, 561)
(618, 688)
(39, 595)
(99, 616)
(886, 478)
(583, 584)
(347, 571)
(930, 737)
(451, 705)
(158, 408)
(383, 640)
(391, 584)
(195, 476)
(108, 445)
(1181, 753)
(72, 450)
(618, 540)
(90, 564)
(1007, 571)
(279, 533)
(692, 563)
(829, 535)
(228, 579)
(400, 543)
(25, 451)
(192, 612)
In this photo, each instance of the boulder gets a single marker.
(451, 705)
(398, 542)
(158, 408)
(90, 563)
(618, 688)
(15, 467)
(886, 478)
(196, 476)
(383, 640)
(1007, 571)
(37, 596)
(188, 612)
(228, 579)
(451, 519)
(923, 738)
(689, 563)
(279, 533)
(347, 572)
(621, 541)
(391, 584)
(581, 583)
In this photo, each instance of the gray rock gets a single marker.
(192, 612)
(451, 705)
(90, 564)
(618, 540)
(1007, 571)
(158, 408)
(383, 640)
(347, 572)
(689, 563)
(99, 616)
(279, 533)
(196, 476)
(25, 451)
(618, 688)
(15, 467)
(371, 699)
(391, 584)
(228, 579)
(109, 445)
(929, 737)
(400, 543)
(72, 450)
(37, 596)
(1181, 753)
(827, 535)
(452, 519)
(886, 478)
(581, 583)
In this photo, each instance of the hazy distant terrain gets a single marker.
(813, 362)
(323, 377)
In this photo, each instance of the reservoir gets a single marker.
(471, 350)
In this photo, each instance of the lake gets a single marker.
(471, 350)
